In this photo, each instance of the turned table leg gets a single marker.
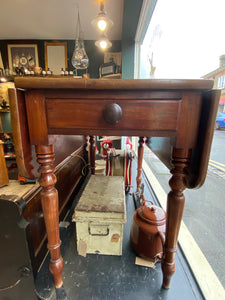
(92, 154)
(49, 200)
(140, 159)
(86, 145)
(175, 206)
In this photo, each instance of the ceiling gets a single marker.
(56, 19)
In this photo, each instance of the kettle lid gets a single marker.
(152, 214)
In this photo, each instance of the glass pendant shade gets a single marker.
(102, 22)
(79, 59)
(103, 43)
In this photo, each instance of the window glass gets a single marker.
(221, 82)
(183, 39)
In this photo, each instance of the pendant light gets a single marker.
(103, 42)
(79, 59)
(102, 22)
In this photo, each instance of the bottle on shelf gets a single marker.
(66, 72)
(48, 72)
(8, 146)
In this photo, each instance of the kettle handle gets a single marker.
(144, 200)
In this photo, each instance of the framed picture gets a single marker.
(107, 69)
(56, 56)
(22, 54)
(115, 57)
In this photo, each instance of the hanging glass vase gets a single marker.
(79, 59)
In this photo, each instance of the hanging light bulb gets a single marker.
(79, 59)
(102, 21)
(103, 43)
(102, 24)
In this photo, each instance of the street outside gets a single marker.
(204, 208)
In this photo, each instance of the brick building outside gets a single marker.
(218, 76)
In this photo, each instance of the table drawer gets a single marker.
(128, 115)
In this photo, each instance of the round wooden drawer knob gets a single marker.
(112, 113)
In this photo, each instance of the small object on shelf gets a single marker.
(48, 72)
(86, 75)
(10, 155)
(8, 146)
(4, 104)
(37, 71)
(43, 73)
(62, 72)
(20, 71)
(22, 180)
(66, 72)
(107, 69)
(12, 167)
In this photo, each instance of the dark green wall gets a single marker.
(132, 9)
(95, 55)
(131, 15)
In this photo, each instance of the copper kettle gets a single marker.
(148, 229)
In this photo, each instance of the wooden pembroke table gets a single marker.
(181, 112)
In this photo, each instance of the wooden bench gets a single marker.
(20, 206)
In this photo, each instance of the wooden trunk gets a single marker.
(100, 215)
